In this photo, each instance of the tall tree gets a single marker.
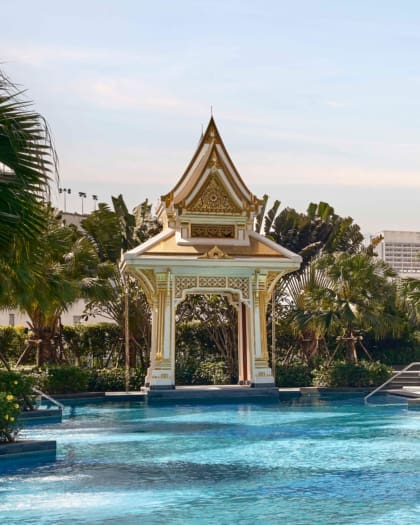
(318, 230)
(27, 160)
(112, 232)
(66, 262)
(301, 306)
(359, 297)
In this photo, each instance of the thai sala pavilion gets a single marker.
(208, 246)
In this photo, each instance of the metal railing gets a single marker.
(405, 370)
(50, 399)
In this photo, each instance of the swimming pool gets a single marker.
(305, 461)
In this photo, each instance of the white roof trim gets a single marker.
(233, 173)
(203, 179)
(188, 176)
(138, 250)
(281, 249)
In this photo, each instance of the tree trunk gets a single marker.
(46, 353)
(351, 353)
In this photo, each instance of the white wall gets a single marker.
(71, 317)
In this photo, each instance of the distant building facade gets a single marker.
(72, 316)
(401, 250)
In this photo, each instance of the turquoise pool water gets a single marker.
(299, 462)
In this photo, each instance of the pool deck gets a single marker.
(224, 392)
(212, 392)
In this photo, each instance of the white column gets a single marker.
(261, 372)
(161, 373)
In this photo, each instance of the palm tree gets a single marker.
(318, 230)
(112, 232)
(27, 161)
(360, 297)
(299, 299)
(66, 264)
(409, 296)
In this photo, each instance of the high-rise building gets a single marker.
(402, 251)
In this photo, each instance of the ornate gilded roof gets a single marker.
(166, 246)
(211, 184)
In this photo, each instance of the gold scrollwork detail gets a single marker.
(213, 231)
(213, 198)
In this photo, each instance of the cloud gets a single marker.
(37, 56)
(278, 168)
(335, 104)
(133, 95)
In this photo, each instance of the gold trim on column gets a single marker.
(263, 323)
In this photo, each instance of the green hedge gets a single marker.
(337, 374)
(362, 374)
(293, 375)
(66, 380)
(72, 380)
(12, 341)
(192, 370)
(113, 380)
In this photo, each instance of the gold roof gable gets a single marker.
(211, 157)
(213, 197)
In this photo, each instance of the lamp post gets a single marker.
(95, 198)
(65, 191)
(82, 195)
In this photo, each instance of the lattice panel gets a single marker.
(188, 282)
(212, 282)
(240, 283)
(184, 283)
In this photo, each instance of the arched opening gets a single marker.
(206, 340)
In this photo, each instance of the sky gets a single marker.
(314, 99)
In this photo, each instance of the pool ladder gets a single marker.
(413, 380)
(49, 398)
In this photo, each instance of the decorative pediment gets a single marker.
(213, 198)
(210, 184)
(215, 253)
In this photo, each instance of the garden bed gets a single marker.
(29, 447)
(42, 415)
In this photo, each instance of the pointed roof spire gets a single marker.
(211, 159)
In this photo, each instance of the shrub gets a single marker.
(9, 412)
(12, 341)
(113, 380)
(293, 375)
(185, 366)
(137, 378)
(91, 344)
(192, 370)
(19, 386)
(211, 372)
(106, 380)
(66, 380)
(343, 374)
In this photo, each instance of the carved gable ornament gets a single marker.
(215, 253)
(213, 198)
